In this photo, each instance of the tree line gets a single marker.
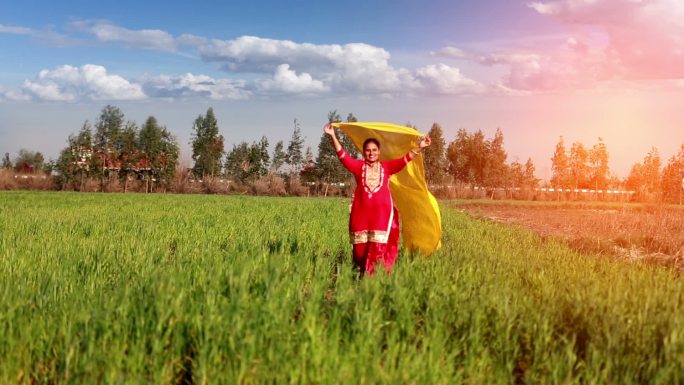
(581, 168)
(116, 149)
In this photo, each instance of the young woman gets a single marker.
(373, 221)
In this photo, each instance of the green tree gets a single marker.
(434, 158)
(308, 173)
(108, 129)
(158, 152)
(29, 161)
(76, 162)
(328, 168)
(246, 162)
(560, 164)
(6, 162)
(264, 157)
(238, 166)
(207, 145)
(295, 155)
(107, 144)
(279, 157)
(129, 153)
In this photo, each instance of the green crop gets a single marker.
(173, 289)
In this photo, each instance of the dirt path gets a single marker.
(651, 234)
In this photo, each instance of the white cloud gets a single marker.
(344, 68)
(67, 83)
(451, 52)
(151, 39)
(278, 67)
(443, 79)
(194, 86)
(286, 80)
(15, 30)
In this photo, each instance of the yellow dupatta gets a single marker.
(418, 209)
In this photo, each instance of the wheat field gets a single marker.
(202, 289)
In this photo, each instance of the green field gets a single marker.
(172, 289)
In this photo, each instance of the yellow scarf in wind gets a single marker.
(421, 227)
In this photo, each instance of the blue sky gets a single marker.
(537, 70)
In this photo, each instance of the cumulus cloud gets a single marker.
(67, 83)
(193, 86)
(275, 67)
(349, 68)
(151, 39)
(288, 81)
(443, 79)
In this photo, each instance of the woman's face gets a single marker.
(371, 152)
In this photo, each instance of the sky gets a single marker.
(537, 70)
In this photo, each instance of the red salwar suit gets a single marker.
(373, 220)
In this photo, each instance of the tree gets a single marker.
(579, 169)
(328, 168)
(29, 161)
(673, 178)
(495, 170)
(308, 173)
(237, 162)
(434, 157)
(598, 163)
(295, 157)
(522, 176)
(650, 172)
(158, 152)
(207, 145)
(456, 155)
(264, 158)
(6, 162)
(345, 141)
(247, 162)
(129, 153)
(529, 180)
(108, 129)
(634, 180)
(279, 157)
(644, 178)
(560, 164)
(107, 143)
(76, 161)
(467, 156)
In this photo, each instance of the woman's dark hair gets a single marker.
(370, 140)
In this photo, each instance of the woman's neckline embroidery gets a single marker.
(372, 177)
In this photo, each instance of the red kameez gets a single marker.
(373, 220)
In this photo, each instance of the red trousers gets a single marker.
(367, 255)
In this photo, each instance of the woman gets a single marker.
(373, 221)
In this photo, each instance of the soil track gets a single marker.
(653, 234)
